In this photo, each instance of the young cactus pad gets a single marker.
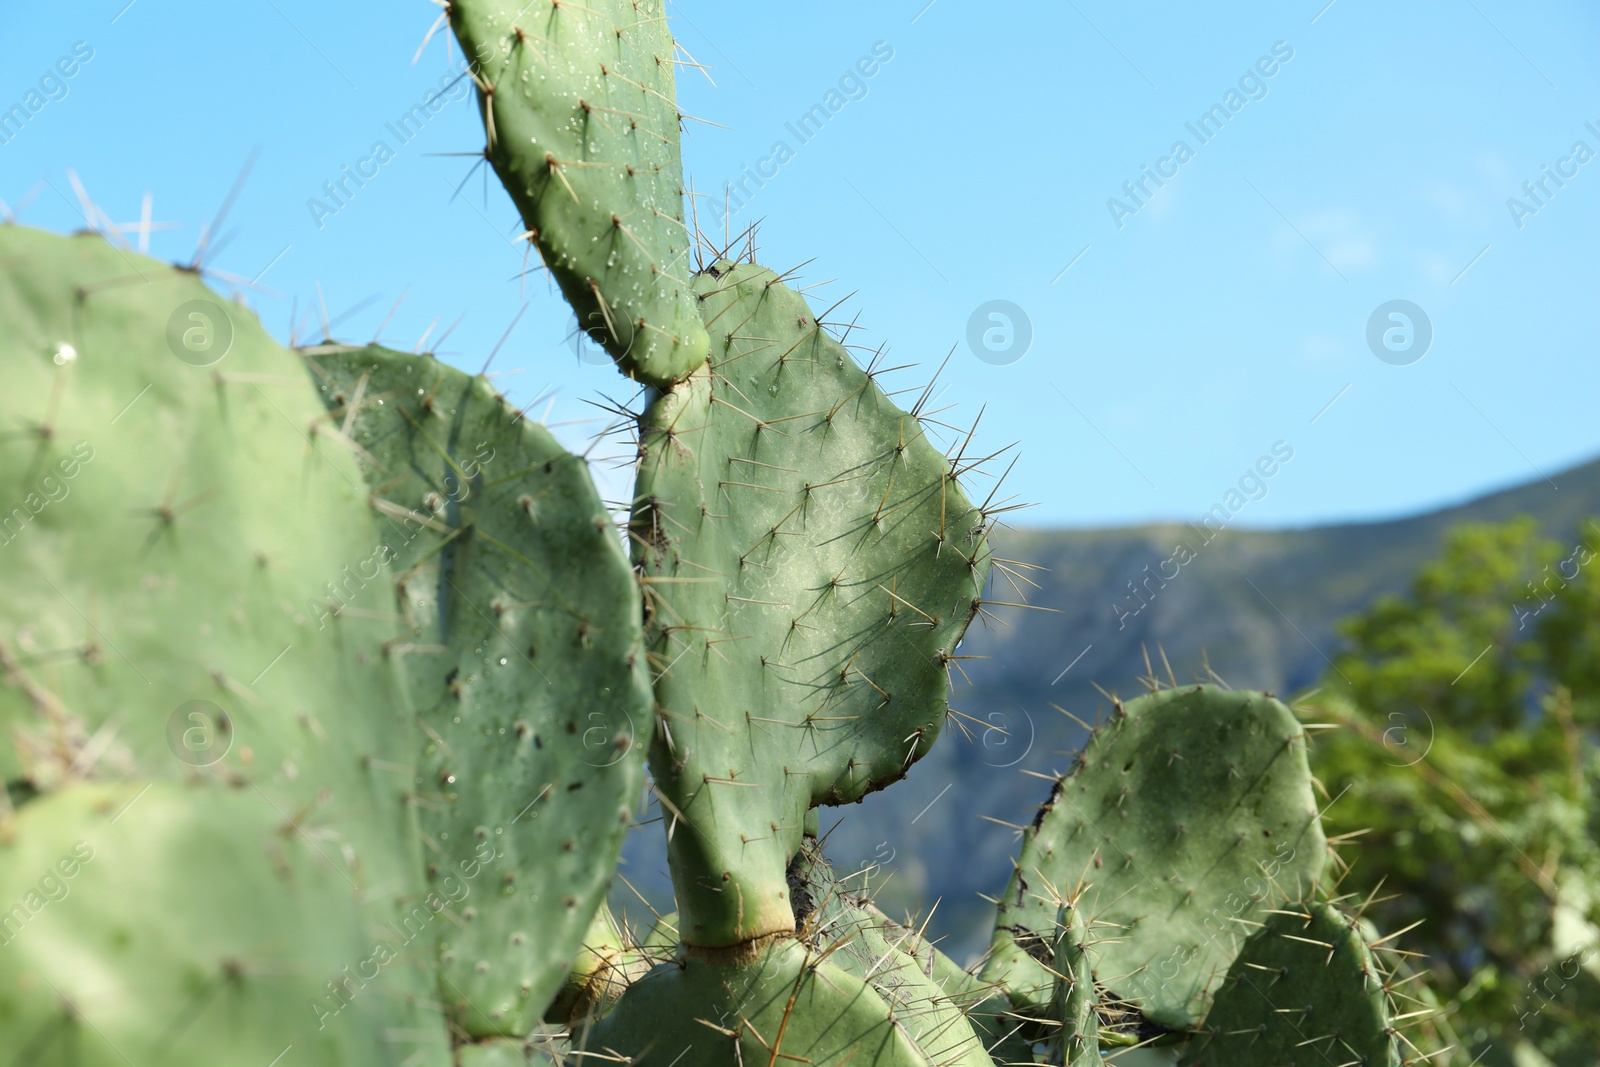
(1180, 815)
(524, 662)
(605, 966)
(582, 124)
(812, 564)
(1078, 1040)
(898, 966)
(1305, 988)
(785, 1005)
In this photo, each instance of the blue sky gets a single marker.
(1176, 338)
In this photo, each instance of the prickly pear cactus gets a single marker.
(177, 521)
(890, 958)
(1306, 985)
(327, 703)
(606, 966)
(775, 1000)
(1078, 1041)
(850, 983)
(1181, 814)
(811, 564)
(523, 656)
(582, 120)
(182, 922)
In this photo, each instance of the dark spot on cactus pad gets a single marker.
(1033, 944)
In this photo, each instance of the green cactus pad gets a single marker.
(503, 1052)
(175, 521)
(897, 964)
(782, 1005)
(191, 925)
(1305, 988)
(524, 662)
(177, 518)
(1078, 1040)
(813, 564)
(589, 980)
(606, 965)
(663, 934)
(582, 125)
(496, 1052)
(985, 1005)
(1181, 814)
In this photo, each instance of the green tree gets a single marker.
(1466, 784)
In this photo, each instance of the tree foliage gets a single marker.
(1466, 786)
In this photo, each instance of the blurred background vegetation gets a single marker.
(1465, 784)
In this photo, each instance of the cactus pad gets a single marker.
(784, 1005)
(582, 123)
(503, 1052)
(605, 966)
(1181, 814)
(524, 663)
(1305, 988)
(192, 925)
(897, 964)
(178, 520)
(813, 564)
(1078, 1040)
